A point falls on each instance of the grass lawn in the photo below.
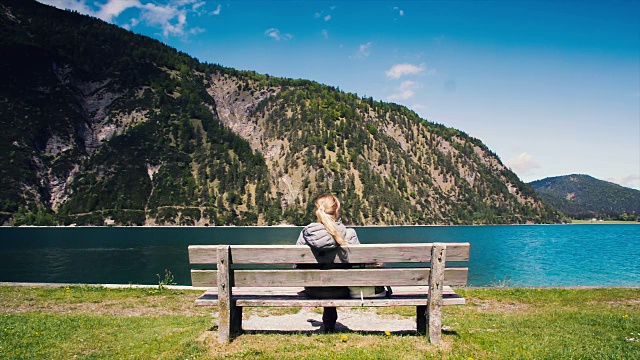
(99, 323)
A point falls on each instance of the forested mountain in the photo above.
(102, 126)
(585, 197)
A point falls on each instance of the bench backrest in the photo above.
(225, 256)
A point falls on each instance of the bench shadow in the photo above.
(450, 332)
(340, 329)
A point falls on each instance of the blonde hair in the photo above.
(328, 211)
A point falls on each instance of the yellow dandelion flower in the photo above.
(625, 316)
(387, 332)
(343, 338)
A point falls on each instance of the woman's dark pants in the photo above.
(330, 314)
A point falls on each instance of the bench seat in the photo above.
(291, 297)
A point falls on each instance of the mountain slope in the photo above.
(583, 196)
(105, 126)
(106, 123)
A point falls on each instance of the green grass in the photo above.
(98, 323)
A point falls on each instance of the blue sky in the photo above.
(553, 87)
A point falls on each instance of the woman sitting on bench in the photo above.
(324, 239)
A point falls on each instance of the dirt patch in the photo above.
(500, 307)
(310, 320)
(145, 306)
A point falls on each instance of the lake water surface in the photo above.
(523, 255)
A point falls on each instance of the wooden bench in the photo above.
(425, 287)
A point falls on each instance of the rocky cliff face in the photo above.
(444, 166)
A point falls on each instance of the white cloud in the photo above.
(399, 70)
(402, 95)
(196, 30)
(407, 84)
(170, 17)
(630, 181)
(325, 15)
(196, 6)
(131, 24)
(401, 12)
(275, 33)
(217, 10)
(325, 33)
(113, 8)
(364, 50)
(523, 164)
(404, 91)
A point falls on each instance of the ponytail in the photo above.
(327, 211)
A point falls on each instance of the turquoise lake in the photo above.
(521, 255)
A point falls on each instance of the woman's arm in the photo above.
(352, 237)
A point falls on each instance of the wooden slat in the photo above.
(208, 278)
(301, 254)
(296, 302)
(290, 297)
(225, 287)
(293, 290)
(349, 277)
(252, 301)
(436, 284)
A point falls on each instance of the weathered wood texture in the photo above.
(292, 296)
(225, 289)
(300, 254)
(436, 284)
(426, 288)
(341, 277)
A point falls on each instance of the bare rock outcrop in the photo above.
(234, 104)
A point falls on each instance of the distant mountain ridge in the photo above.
(103, 126)
(583, 196)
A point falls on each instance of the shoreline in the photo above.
(189, 287)
(301, 226)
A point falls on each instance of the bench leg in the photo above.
(434, 318)
(421, 319)
(436, 284)
(224, 324)
(230, 322)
